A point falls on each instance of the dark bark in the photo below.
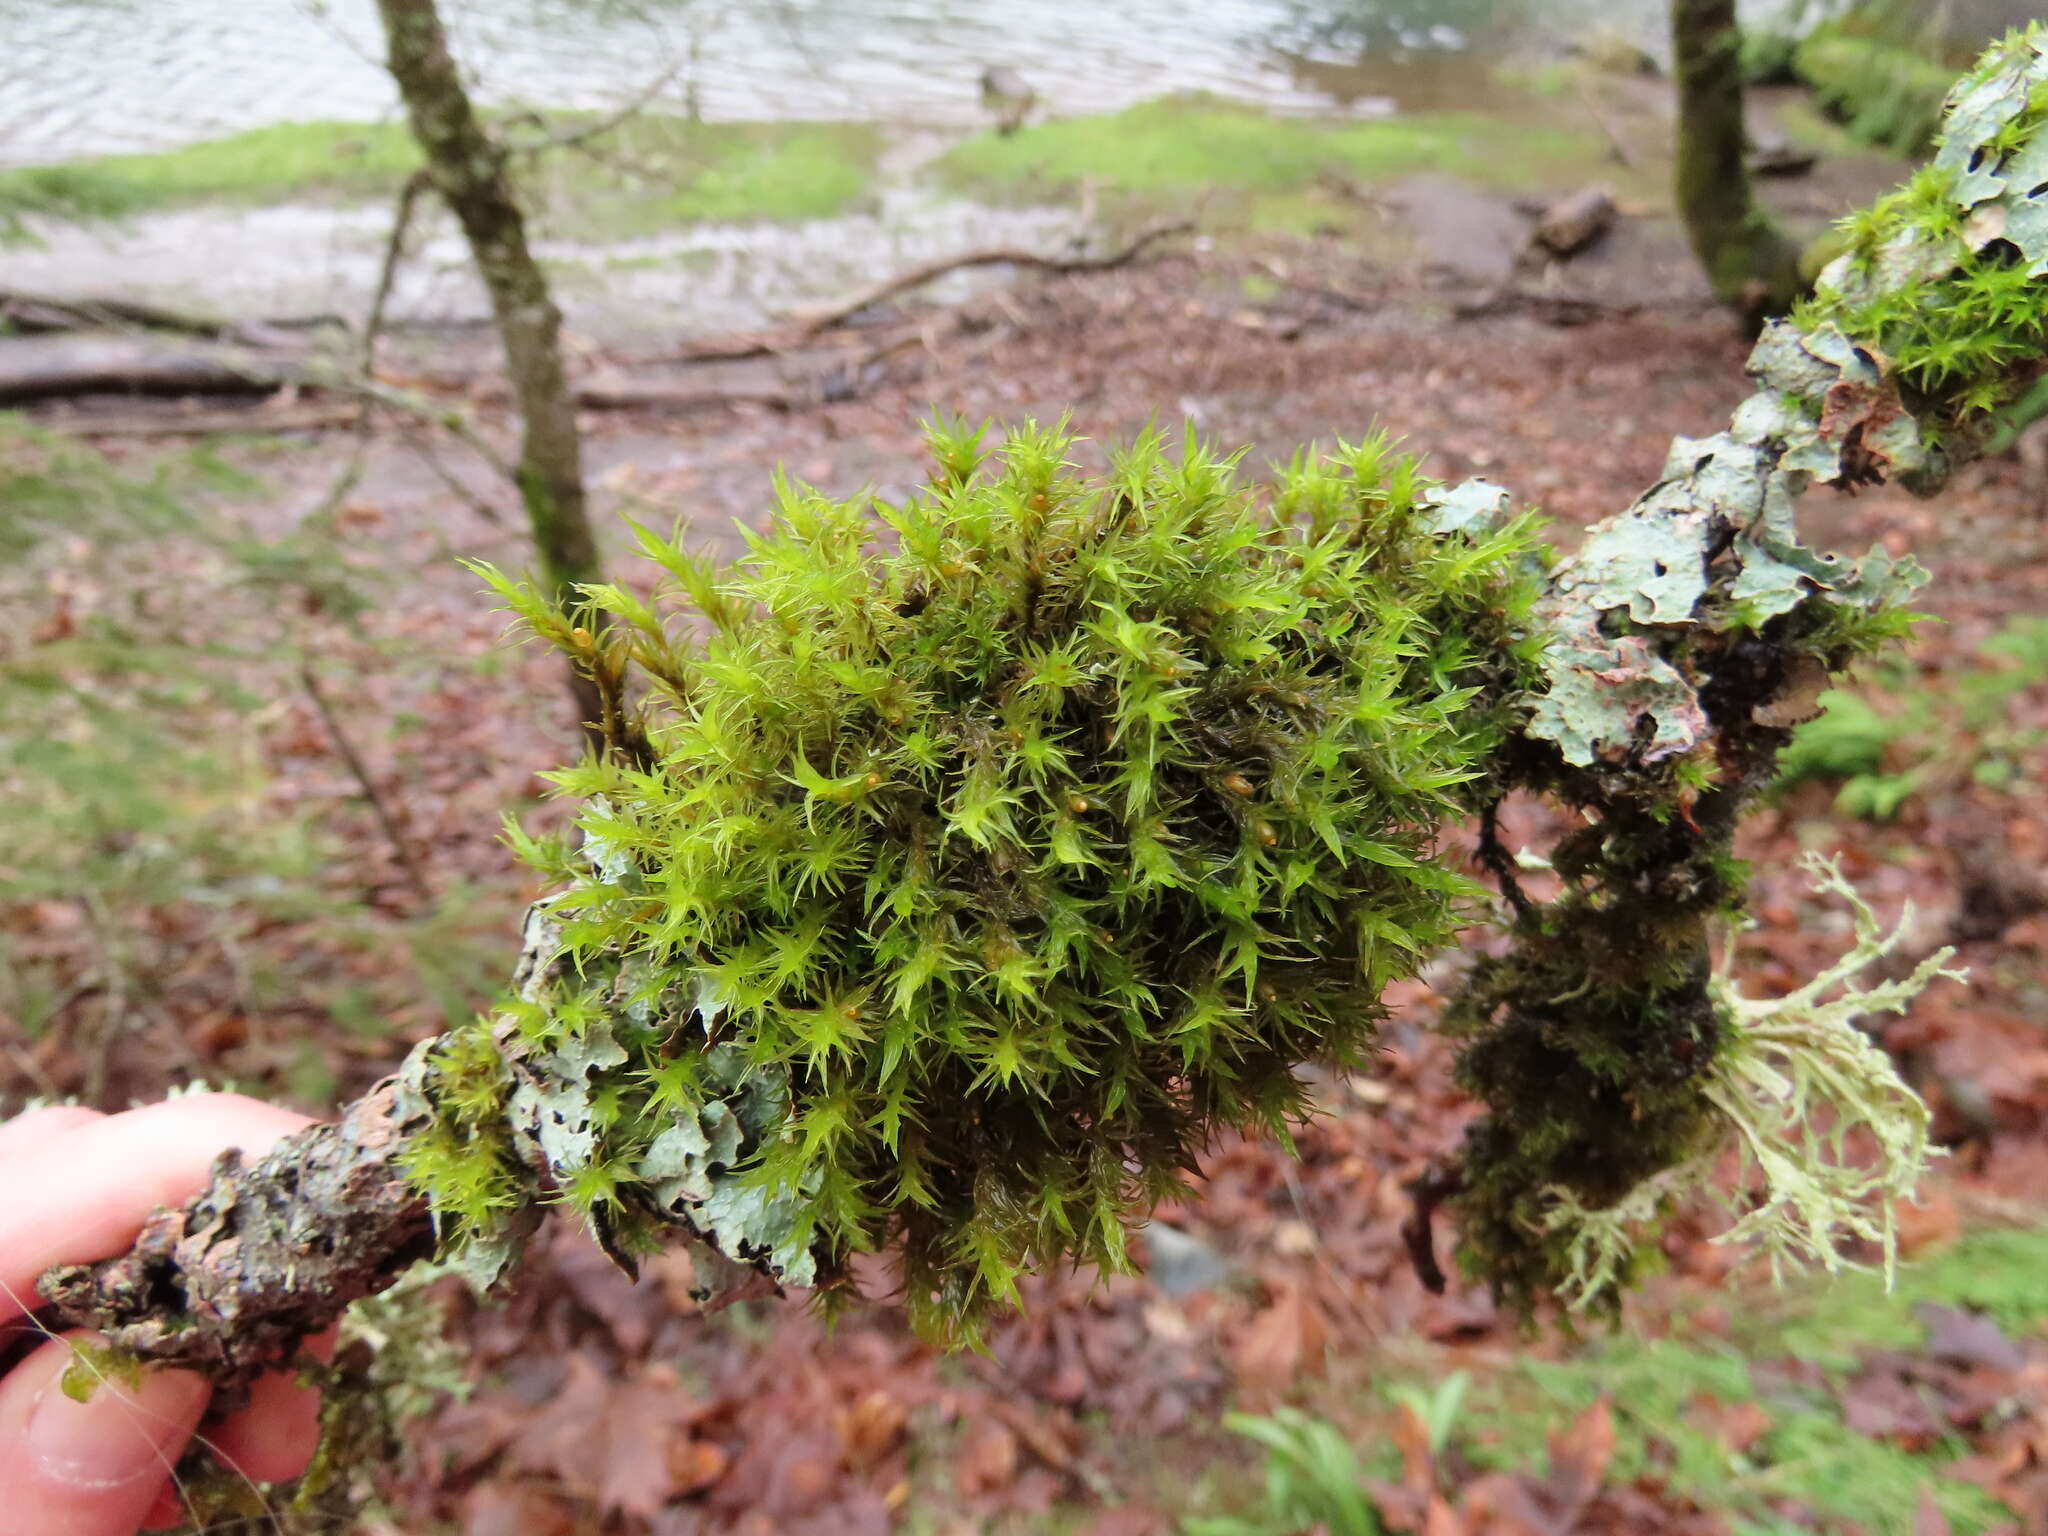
(1753, 268)
(269, 1255)
(469, 169)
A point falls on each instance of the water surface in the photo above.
(81, 77)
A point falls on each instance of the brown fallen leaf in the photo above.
(1282, 1344)
(514, 1509)
(1956, 1337)
(1579, 1456)
(988, 1459)
(1128, 1520)
(608, 1440)
(872, 1427)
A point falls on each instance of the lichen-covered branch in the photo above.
(1687, 636)
(270, 1253)
(950, 896)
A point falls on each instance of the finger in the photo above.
(82, 1195)
(93, 1468)
(275, 1435)
(32, 1127)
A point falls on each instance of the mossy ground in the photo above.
(1251, 168)
(652, 172)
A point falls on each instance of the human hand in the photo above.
(76, 1186)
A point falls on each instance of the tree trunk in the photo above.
(468, 168)
(1753, 268)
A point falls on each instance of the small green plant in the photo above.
(1313, 1481)
(988, 852)
(1884, 746)
(1436, 1409)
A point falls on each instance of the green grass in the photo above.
(657, 172)
(1807, 1470)
(1808, 1456)
(321, 160)
(651, 173)
(1263, 170)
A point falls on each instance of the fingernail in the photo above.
(121, 1434)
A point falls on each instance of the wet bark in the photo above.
(1753, 268)
(469, 170)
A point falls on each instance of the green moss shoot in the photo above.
(1022, 835)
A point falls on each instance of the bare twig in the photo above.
(415, 876)
(387, 274)
(308, 416)
(1495, 858)
(422, 448)
(604, 125)
(1436, 1185)
(1616, 146)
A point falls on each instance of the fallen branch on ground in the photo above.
(38, 368)
(932, 271)
(32, 314)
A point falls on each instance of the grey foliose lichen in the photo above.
(1714, 545)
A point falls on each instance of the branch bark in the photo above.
(932, 271)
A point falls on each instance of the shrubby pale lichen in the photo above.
(1826, 1135)
(1686, 637)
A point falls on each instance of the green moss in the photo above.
(649, 173)
(1884, 94)
(1970, 314)
(289, 160)
(1260, 169)
(950, 897)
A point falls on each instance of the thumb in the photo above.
(93, 1468)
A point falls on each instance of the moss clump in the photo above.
(986, 876)
(1944, 275)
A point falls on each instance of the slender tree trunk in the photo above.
(1754, 269)
(468, 168)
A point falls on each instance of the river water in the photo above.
(83, 77)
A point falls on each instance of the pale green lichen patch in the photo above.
(1939, 294)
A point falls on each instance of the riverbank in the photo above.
(658, 229)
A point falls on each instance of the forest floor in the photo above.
(235, 898)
